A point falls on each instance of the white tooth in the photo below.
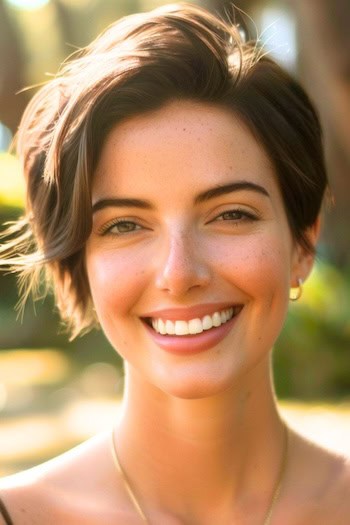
(223, 316)
(161, 327)
(181, 328)
(207, 322)
(195, 326)
(216, 318)
(170, 327)
(155, 324)
(230, 313)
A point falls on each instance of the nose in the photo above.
(182, 266)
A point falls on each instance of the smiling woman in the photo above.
(199, 234)
(175, 179)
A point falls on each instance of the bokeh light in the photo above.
(11, 181)
(279, 35)
(5, 137)
(28, 4)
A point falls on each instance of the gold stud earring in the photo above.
(297, 293)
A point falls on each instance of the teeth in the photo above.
(181, 328)
(193, 326)
(170, 327)
(207, 322)
(161, 327)
(216, 319)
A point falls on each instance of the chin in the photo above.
(198, 385)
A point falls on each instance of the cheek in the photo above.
(258, 266)
(115, 282)
(259, 270)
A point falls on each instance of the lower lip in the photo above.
(192, 344)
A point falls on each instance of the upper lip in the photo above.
(190, 312)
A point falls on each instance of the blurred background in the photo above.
(54, 394)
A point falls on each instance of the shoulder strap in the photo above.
(4, 513)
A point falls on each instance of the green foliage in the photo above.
(312, 358)
(11, 182)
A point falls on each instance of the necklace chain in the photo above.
(274, 498)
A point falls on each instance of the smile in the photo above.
(201, 329)
(194, 326)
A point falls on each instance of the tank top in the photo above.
(4, 513)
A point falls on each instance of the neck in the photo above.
(187, 456)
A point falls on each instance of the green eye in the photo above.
(120, 227)
(124, 227)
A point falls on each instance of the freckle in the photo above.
(183, 129)
(247, 395)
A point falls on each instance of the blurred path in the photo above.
(49, 403)
(25, 441)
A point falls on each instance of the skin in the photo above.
(199, 435)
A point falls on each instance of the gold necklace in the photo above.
(274, 498)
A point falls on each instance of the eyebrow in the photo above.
(204, 196)
(121, 203)
(229, 188)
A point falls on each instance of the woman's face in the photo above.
(189, 231)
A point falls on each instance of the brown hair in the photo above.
(138, 64)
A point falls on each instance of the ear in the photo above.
(303, 260)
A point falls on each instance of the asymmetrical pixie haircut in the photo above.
(138, 64)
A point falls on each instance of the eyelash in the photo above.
(106, 229)
(244, 216)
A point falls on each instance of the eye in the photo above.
(236, 215)
(119, 227)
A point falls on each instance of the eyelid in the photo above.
(104, 229)
(242, 211)
(248, 212)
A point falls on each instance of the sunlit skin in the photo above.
(181, 254)
(191, 422)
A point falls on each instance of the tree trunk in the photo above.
(325, 67)
(11, 68)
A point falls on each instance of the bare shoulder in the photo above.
(75, 487)
(339, 494)
(321, 482)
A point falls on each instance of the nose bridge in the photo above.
(181, 266)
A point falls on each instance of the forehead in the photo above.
(183, 143)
